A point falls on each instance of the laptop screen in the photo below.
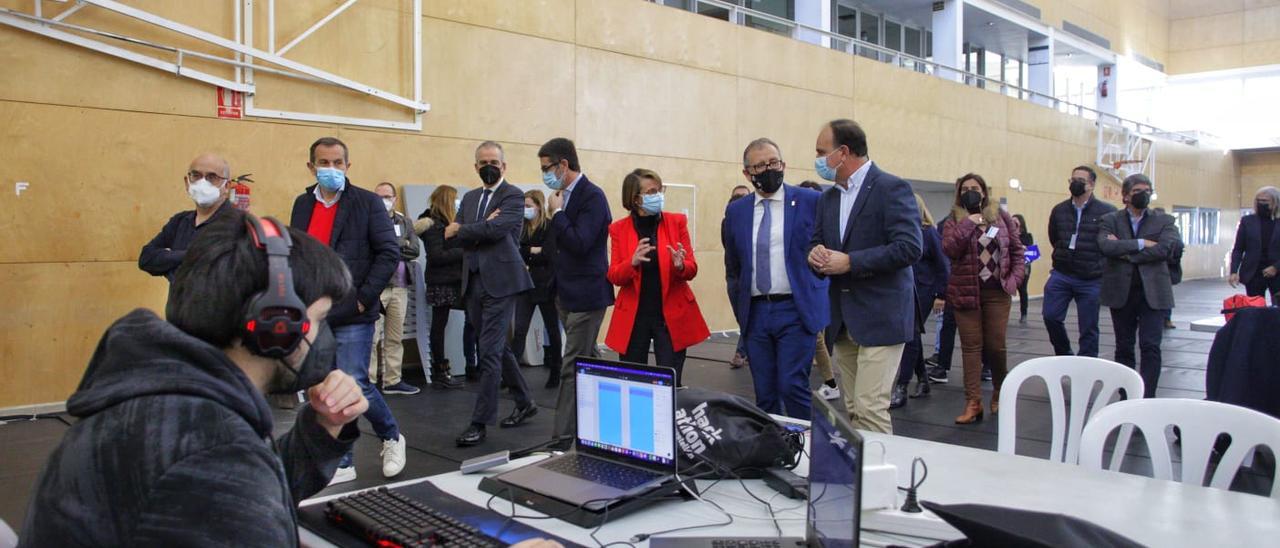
(835, 478)
(627, 410)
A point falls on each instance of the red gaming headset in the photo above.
(275, 319)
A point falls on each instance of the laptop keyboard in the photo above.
(601, 471)
(744, 543)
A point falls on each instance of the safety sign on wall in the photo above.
(230, 103)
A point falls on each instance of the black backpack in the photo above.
(723, 435)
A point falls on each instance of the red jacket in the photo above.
(679, 308)
(960, 243)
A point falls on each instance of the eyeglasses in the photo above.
(193, 176)
(494, 163)
(550, 166)
(759, 168)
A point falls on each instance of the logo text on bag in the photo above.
(695, 429)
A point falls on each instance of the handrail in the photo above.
(852, 45)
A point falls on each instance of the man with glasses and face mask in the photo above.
(173, 443)
(206, 184)
(1077, 264)
(395, 300)
(1136, 286)
(780, 303)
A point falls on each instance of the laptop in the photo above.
(835, 491)
(625, 442)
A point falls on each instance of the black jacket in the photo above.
(1244, 362)
(1085, 261)
(410, 245)
(444, 262)
(1247, 253)
(162, 255)
(366, 241)
(173, 448)
(539, 264)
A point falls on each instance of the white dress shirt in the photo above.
(849, 195)
(568, 191)
(778, 282)
(327, 203)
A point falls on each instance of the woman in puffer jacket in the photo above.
(987, 267)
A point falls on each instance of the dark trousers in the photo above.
(550, 320)
(913, 352)
(1258, 286)
(654, 330)
(1022, 293)
(1138, 322)
(440, 321)
(491, 318)
(781, 354)
(1059, 291)
(581, 329)
(947, 337)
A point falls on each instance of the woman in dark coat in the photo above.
(443, 279)
(537, 248)
(931, 288)
(1020, 223)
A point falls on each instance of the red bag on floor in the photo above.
(1235, 302)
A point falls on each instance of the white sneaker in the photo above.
(829, 393)
(393, 457)
(343, 475)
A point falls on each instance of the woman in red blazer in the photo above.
(652, 263)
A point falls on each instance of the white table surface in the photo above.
(1152, 512)
(1209, 325)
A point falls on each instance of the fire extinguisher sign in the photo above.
(230, 103)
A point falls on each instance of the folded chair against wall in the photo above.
(1199, 424)
(1084, 374)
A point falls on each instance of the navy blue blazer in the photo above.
(581, 261)
(875, 300)
(365, 239)
(933, 268)
(799, 206)
(1246, 254)
(493, 246)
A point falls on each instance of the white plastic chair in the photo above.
(1084, 373)
(8, 539)
(1199, 424)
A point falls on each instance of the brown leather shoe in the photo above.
(972, 412)
(995, 402)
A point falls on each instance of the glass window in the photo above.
(846, 21)
(928, 45)
(869, 31)
(1197, 225)
(912, 43)
(892, 35)
(784, 9)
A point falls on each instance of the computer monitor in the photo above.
(835, 478)
(626, 411)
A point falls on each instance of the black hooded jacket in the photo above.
(174, 448)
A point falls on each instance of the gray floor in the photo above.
(431, 419)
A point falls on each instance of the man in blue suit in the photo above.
(866, 238)
(580, 226)
(780, 303)
(487, 228)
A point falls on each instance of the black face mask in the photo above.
(321, 356)
(1077, 187)
(1264, 210)
(971, 200)
(1140, 200)
(767, 181)
(490, 174)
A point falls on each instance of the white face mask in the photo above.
(389, 202)
(530, 213)
(203, 193)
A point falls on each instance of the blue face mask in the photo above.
(825, 171)
(530, 213)
(652, 203)
(331, 179)
(550, 179)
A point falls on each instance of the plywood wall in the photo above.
(104, 142)
(1223, 34)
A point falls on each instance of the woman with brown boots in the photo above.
(986, 269)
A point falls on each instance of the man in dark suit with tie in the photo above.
(866, 239)
(780, 303)
(1136, 285)
(488, 229)
(580, 221)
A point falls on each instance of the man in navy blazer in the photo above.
(866, 239)
(487, 228)
(580, 226)
(1255, 257)
(353, 222)
(780, 303)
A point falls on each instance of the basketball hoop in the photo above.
(1120, 163)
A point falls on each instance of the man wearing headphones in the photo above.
(173, 444)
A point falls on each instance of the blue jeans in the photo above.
(781, 353)
(354, 344)
(1059, 291)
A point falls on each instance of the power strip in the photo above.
(925, 524)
